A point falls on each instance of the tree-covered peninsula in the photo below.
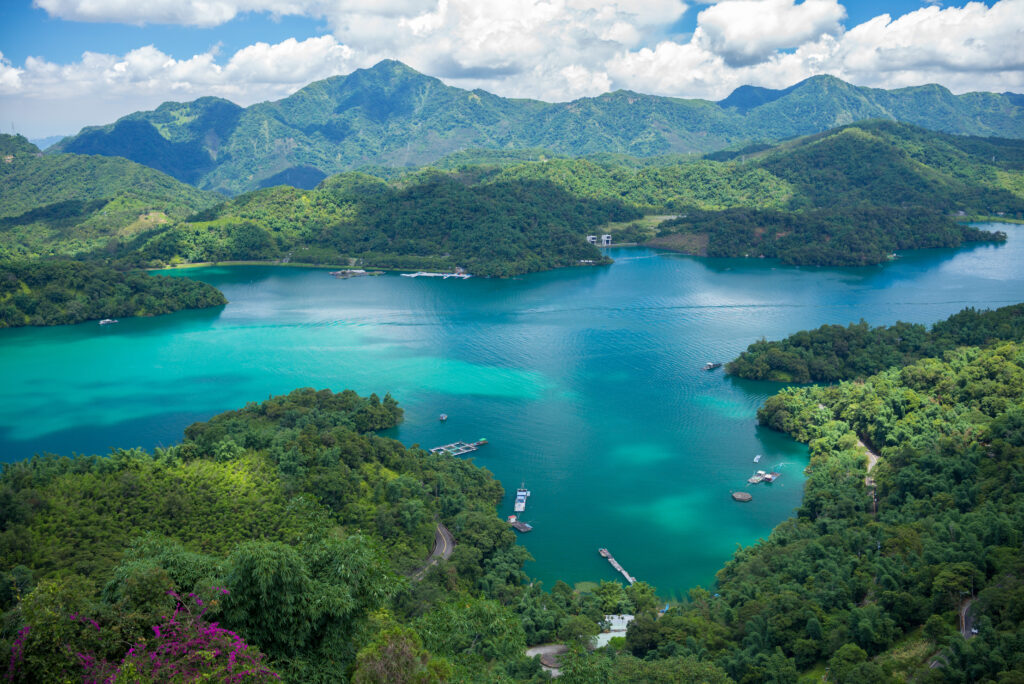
(62, 292)
(834, 352)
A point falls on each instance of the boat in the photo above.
(108, 321)
(742, 497)
(757, 477)
(712, 365)
(757, 458)
(443, 417)
(480, 442)
(522, 494)
(771, 477)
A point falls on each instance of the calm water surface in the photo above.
(587, 382)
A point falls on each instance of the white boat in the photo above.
(521, 496)
(108, 321)
(757, 458)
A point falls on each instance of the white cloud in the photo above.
(974, 47)
(748, 31)
(255, 72)
(548, 49)
(10, 77)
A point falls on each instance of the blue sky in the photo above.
(69, 63)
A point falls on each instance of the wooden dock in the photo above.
(615, 564)
(458, 448)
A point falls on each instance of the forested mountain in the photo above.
(834, 352)
(391, 115)
(66, 204)
(802, 202)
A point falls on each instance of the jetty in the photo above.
(615, 564)
(458, 448)
(446, 276)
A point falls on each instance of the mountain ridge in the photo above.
(392, 115)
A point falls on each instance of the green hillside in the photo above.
(67, 204)
(393, 116)
(854, 195)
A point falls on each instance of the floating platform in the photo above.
(615, 564)
(519, 525)
(458, 448)
(346, 273)
(742, 496)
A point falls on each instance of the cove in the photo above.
(587, 382)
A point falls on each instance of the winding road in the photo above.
(444, 544)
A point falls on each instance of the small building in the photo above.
(617, 625)
(606, 240)
(592, 239)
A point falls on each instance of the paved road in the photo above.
(966, 619)
(444, 544)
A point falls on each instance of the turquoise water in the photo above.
(587, 382)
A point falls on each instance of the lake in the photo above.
(587, 382)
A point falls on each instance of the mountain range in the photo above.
(391, 115)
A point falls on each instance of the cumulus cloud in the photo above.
(10, 78)
(745, 32)
(255, 72)
(549, 49)
(974, 47)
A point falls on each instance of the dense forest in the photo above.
(833, 352)
(286, 540)
(432, 220)
(391, 116)
(62, 292)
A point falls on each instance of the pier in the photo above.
(425, 274)
(615, 564)
(458, 448)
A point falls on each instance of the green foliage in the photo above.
(59, 292)
(832, 352)
(69, 204)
